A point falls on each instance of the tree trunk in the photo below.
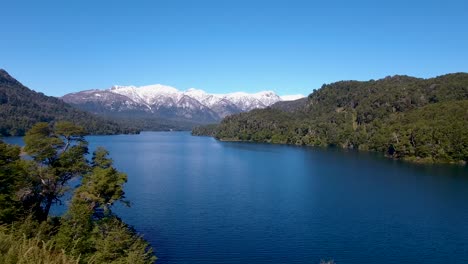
(49, 202)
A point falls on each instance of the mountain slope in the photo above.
(290, 106)
(401, 116)
(165, 102)
(21, 107)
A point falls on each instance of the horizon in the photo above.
(283, 96)
(58, 48)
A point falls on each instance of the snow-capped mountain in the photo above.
(292, 97)
(168, 102)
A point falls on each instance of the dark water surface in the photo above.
(198, 200)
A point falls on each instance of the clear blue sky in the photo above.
(289, 46)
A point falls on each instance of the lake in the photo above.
(198, 200)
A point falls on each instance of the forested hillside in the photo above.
(424, 120)
(21, 108)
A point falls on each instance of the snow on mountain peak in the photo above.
(168, 99)
(158, 88)
(196, 92)
(291, 97)
(148, 94)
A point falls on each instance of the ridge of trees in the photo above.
(422, 120)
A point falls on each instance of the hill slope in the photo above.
(21, 107)
(401, 116)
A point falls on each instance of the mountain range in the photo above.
(166, 102)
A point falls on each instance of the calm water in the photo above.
(198, 200)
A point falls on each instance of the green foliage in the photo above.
(11, 172)
(17, 248)
(101, 159)
(69, 130)
(60, 156)
(103, 186)
(147, 122)
(206, 130)
(41, 143)
(434, 133)
(88, 232)
(117, 243)
(423, 120)
(74, 235)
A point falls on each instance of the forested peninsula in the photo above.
(40, 175)
(421, 120)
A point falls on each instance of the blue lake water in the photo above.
(198, 200)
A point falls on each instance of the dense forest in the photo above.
(88, 232)
(21, 108)
(423, 120)
(142, 123)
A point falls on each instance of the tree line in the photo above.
(422, 120)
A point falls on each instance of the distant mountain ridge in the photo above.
(163, 101)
